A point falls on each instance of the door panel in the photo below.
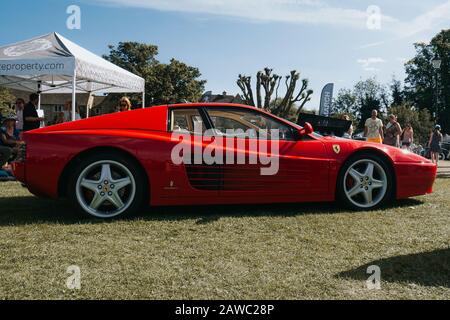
(302, 175)
(299, 167)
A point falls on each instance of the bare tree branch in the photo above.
(270, 83)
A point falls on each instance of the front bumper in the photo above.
(415, 179)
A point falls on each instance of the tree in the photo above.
(358, 103)
(397, 93)
(344, 103)
(165, 83)
(175, 82)
(370, 95)
(138, 58)
(268, 84)
(6, 99)
(426, 86)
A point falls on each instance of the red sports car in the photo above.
(204, 154)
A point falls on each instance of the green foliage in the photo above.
(425, 84)
(175, 82)
(345, 103)
(6, 99)
(420, 120)
(367, 95)
(165, 83)
(397, 92)
(135, 57)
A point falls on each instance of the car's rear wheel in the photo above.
(365, 182)
(107, 186)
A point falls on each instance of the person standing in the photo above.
(124, 104)
(20, 104)
(31, 120)
(374, 128)
(349, 133)
(393, 131)
(59, 118)
(407, 137)
(435, 144)
(68, 112)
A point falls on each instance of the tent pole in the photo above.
(89, 104)
(74, 95)
(39, 87)
(143, 100)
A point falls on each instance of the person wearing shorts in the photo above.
(374, 128)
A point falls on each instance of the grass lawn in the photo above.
(298, 251)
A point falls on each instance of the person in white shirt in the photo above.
(374, 128)
(20, 104)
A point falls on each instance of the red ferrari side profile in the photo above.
(205, 154)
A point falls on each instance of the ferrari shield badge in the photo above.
(337, 148)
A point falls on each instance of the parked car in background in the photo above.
(359, 136)
(444, 155)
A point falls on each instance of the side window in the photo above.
(255, 124)
(186, 121)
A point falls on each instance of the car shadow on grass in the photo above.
(431, 269)
(32, 210)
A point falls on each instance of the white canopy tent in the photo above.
(53, 64)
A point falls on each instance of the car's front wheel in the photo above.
(107, 186)
(365, 182)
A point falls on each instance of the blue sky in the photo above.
(327, 40)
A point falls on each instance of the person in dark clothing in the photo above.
(9, 136)
(5, 154)
(31, 119)
(435, 144)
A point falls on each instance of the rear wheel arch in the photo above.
(69, 168)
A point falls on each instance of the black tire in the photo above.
(389, 195)
(136, 202)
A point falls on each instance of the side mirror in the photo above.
(307, 129)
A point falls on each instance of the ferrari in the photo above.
(112, 165)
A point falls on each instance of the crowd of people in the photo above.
(393, 135)
(26, 118)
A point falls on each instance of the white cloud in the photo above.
(368, 64)
(289, 11)
(371, 45)
(298, 11)
(435, 18)
(432, 19)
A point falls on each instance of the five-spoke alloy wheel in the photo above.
(107, 186)
(365, 182)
